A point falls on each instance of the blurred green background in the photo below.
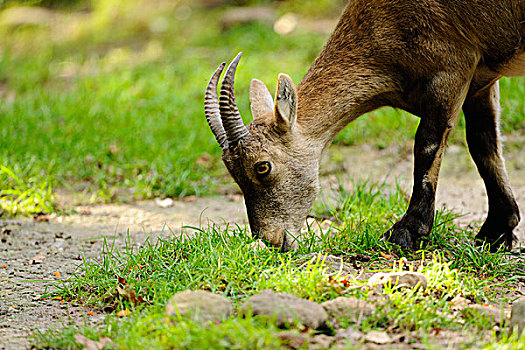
(105, 97)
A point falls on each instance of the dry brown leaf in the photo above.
(129, 293)
(123, 313)
(190, 198)
(89, 344)
(41, 218)
(386, 256)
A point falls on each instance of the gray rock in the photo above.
(287, 309)
(199, 305)
(401, 279)
(495, 315)
(517, 316)
(343, 308)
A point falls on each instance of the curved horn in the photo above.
(211, 108)
(231, 118)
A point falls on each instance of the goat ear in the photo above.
(260, 98)
(285, 103)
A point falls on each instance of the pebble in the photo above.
(293, 340)
(405, 279)
(321, 341)
(378, 337)
(347, 308)
(287, 309)
(200, 305)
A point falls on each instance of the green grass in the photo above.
(114, 105)
(219, 260)
(111, 104)
(24, 192)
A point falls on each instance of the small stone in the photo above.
(400, 279)
(348, 333)
(494, 314)
(344, 308)
(460, 302)
(321, 341)
(378, 337)
(164, 203)
(517, 316)
(287, 309)
(200, 305)
(293, 340)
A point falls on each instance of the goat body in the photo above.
(431, 58)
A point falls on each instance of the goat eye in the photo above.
(263, 168)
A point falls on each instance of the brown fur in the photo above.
(430, 58)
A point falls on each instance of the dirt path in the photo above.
(34, 251)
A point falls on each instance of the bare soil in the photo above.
(33, 251)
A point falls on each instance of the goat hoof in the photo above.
(507, 239)
(498, 233)
(402, 237)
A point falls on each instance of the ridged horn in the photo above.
(211, 108)
(231, 118)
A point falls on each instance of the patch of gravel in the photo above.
(33, 251)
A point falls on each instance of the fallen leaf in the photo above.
(56, 298)
(41, 218)
(129, 293)
(92, 344)
(57, 274)
(386, 256)
(123, 313)
(191, 198)
(122, 281)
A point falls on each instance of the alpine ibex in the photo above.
(431, 58)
